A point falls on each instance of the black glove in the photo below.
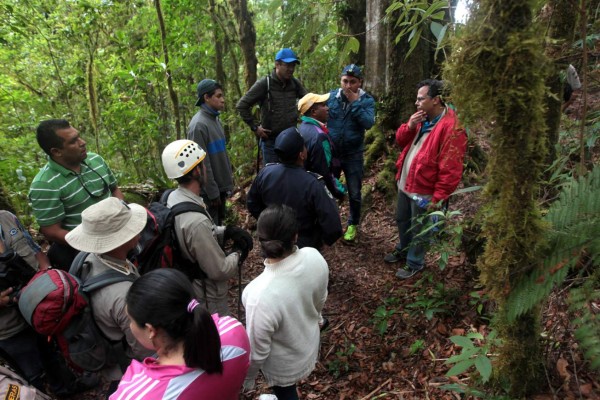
(242, 241)
(230, 230)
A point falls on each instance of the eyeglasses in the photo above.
(104, 184)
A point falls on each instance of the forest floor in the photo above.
(389, 338)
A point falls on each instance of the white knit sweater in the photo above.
(283, 306)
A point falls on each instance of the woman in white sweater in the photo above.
(283, 305)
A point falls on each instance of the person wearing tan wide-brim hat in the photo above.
(109, 230)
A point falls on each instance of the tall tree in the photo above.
(247, 35)
(499, 73)
(172, 93)
(560, 17)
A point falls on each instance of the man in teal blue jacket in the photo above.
(351, 113)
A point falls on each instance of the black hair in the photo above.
(286, 158)
(277, 228)
(211, 93)
(161, 298)
(436, 88)
(46, 134)
(187, 178)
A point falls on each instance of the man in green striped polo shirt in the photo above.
(71, 181)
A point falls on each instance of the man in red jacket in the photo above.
(429, 170)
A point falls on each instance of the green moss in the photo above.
(376, 148)
(498, 70)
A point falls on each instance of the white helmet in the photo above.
(180, 157)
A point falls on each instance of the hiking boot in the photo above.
(323, 324)
(350, 234)
(393, 257)
(406, 272)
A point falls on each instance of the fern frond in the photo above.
(588, 323)
(574, 227)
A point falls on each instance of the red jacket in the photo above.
(437, 168)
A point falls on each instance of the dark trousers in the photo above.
(408, 215)
(39, 362)
(285, 392)
(268, 151)
(353, 171)
(61, 256)
(217, 213)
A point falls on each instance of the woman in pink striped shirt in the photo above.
(199, 356)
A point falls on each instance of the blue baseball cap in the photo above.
(287, 55)
(352, 70)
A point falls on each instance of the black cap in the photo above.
(289, 144)
(205, 86)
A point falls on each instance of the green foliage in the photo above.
(341, 364)
(431, 300)
(574, 225)
(382, 315)
(475, 353)
(447, 231)
(583, 301)
(415, 16)
(57, 53)
(416, 346)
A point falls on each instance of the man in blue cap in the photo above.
(351, 113)
(276, 95)
(290, 184)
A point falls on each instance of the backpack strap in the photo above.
(77, 264)
(297, 85)
(177, 209)
(188, 206)
(105, 279)
(165, 196)
(99, 281)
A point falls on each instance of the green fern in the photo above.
(574, 222)
(588, 324)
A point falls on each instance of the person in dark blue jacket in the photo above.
(288, 183)
(351, 113)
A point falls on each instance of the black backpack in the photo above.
(14, 270)
(158, 246)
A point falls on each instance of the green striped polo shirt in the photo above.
(58, 194)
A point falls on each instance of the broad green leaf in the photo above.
(436, 28)
(462, 341)
(475, 335)
(465, 355)
(326, 39)
(460, 368)
(484, 366)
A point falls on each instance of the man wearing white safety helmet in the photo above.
(199, 238)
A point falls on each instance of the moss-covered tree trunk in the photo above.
(499, 74)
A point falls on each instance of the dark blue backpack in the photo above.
(158, 244)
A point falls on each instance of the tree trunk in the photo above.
(354, 21)
(561, 18)
(247, 35)
(172, 93)
(391, 77)
(499, 74)
(217, 37)
(93, 98)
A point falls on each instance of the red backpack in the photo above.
(56, 304)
